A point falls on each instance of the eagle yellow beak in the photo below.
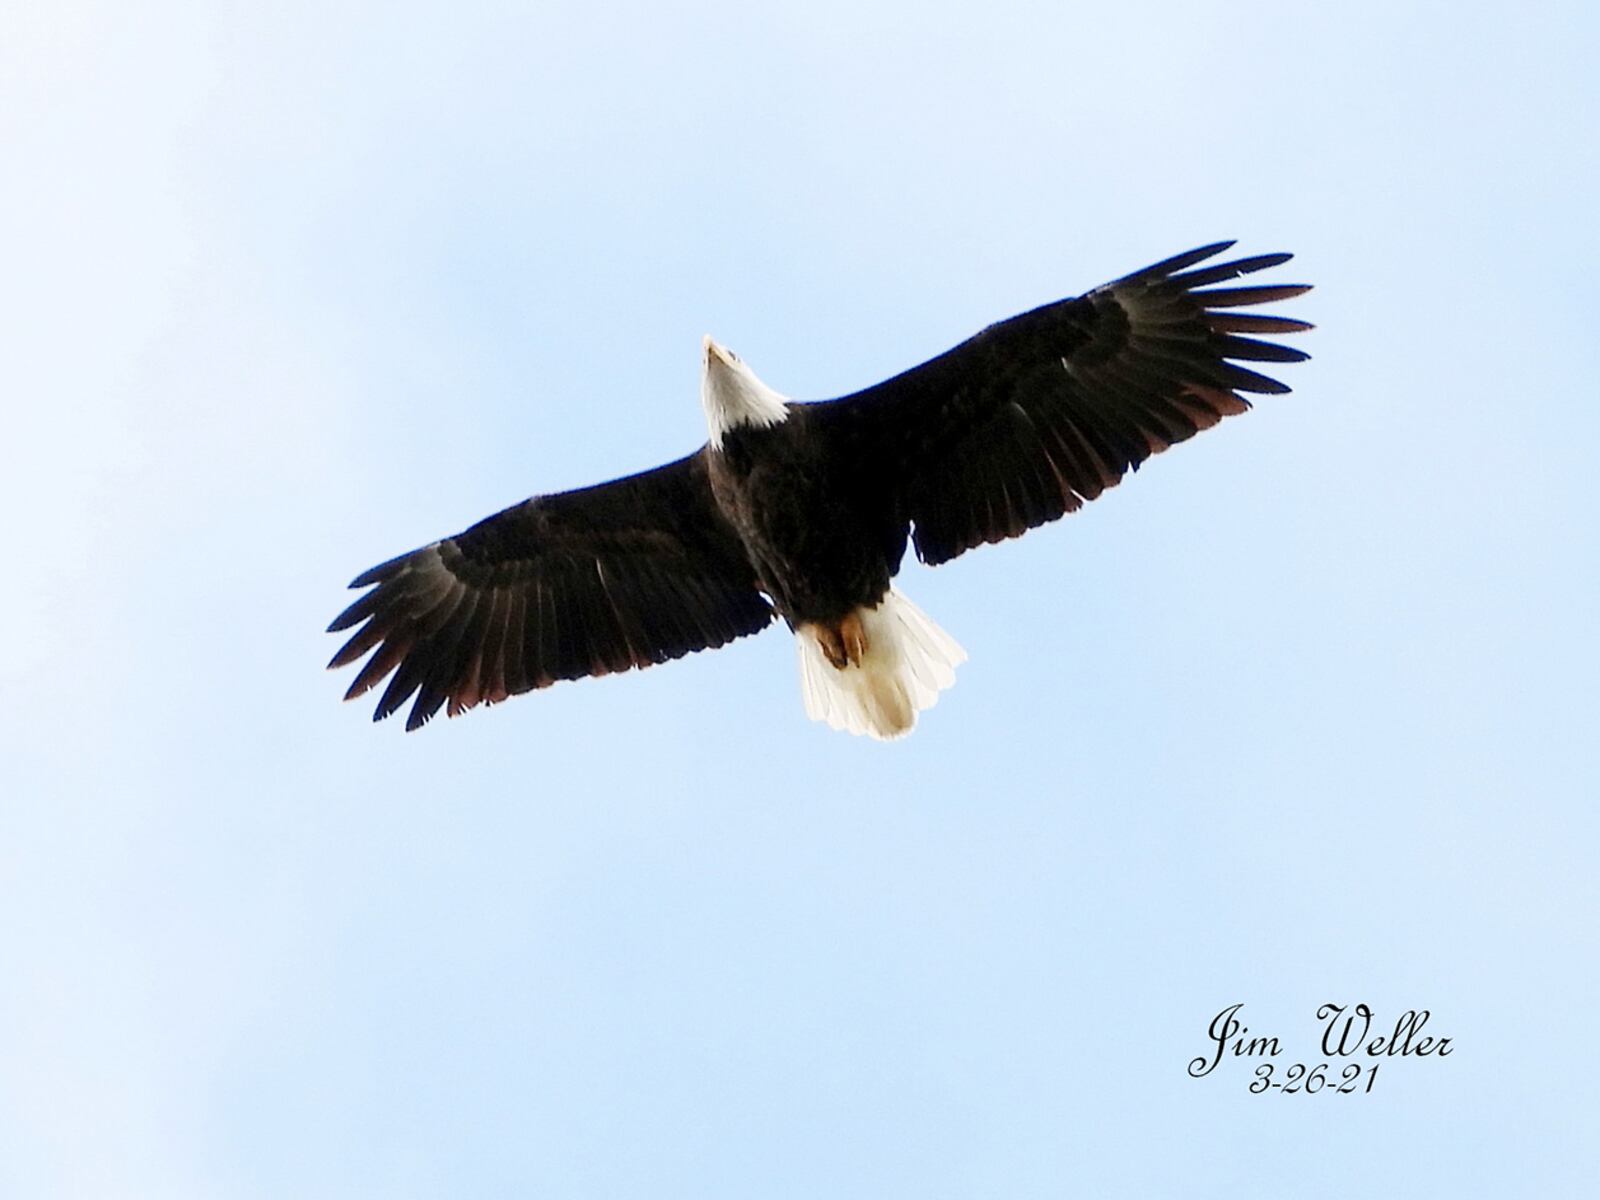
(714, 351)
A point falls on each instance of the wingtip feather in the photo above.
(1178, 262)
(1254, 294)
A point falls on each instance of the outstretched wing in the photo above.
(606, 578)
(1035, 415)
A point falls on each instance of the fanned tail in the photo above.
(909, 660)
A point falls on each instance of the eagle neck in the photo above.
(734, 398)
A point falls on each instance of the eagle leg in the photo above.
(843, 642)
(854, 636)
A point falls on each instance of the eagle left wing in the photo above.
(624, 574)
(1037, 414)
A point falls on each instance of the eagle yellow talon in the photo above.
(843, 644)
(831, 644)
(854, 636)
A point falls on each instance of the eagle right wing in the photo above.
(1024, 422)
(624, 574)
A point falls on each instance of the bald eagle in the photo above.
(804, 510)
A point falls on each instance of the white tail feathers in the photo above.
(908, 661)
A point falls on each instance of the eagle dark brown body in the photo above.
(822, 538)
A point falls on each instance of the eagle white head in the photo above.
(733, 396)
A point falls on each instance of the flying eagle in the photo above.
(803, 510)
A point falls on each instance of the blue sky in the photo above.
(1302, 713)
